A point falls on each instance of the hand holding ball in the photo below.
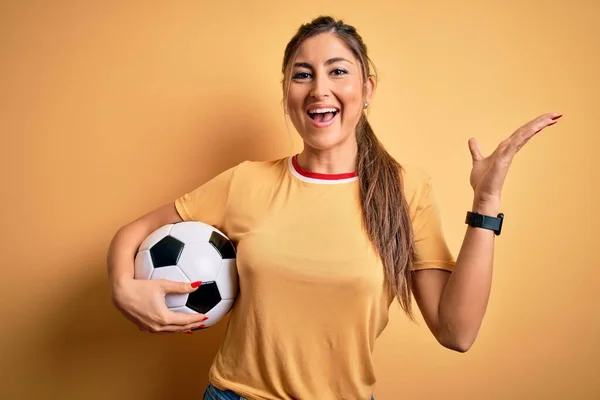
(191, 252)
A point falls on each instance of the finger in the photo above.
(190, 331)
(182, 319)
(175, 328)
(194, 327)
(475, 149)
(551, 116)
(521, 136)
(178, 287)
(526, 132)
(544, 124)
(542, 121)
(165, 329)
(537, 124)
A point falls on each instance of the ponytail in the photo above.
(385, 211)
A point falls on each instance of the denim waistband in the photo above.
(212, 393)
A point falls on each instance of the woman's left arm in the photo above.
(454, 304)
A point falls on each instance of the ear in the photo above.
(370, 85)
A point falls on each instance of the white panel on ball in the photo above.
(227, 280)
(172, 273)
(218, 312)
(200, 261)
(156, 237)
(192, 231)
(184, 310)
(143, 265)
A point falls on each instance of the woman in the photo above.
(326, 240)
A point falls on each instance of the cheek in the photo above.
(351, 93)
(295, 99)
(295, 108)
(352, 99)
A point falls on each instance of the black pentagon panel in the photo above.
(166, 252)
(204, 298)
(222, 245)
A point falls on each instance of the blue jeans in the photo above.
(212, 393)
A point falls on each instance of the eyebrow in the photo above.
(328, 62)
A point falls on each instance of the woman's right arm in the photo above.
(143, 301)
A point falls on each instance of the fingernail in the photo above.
(188, 332)
(557, 116)
(204, 319)
(196, 284)
(199, 327)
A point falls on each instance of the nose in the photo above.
(320, 87)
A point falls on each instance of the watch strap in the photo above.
(477, 220)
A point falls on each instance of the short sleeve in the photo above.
(431, 249)
(208, 202)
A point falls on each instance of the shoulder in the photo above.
(414, 178)
(262, 165)
(416, 183)
(414, 173)
(259, 170)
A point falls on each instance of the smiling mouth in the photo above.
(321, 117)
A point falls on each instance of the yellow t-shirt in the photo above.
(313, 295)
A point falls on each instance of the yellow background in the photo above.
(109, 109)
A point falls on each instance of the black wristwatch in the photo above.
(485, 221)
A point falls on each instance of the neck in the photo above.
(331, 161)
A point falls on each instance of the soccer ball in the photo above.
(192, 251)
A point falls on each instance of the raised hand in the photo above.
(488, 173)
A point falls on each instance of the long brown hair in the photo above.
(384, 208)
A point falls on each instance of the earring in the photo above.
(366, 105)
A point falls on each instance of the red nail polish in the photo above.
(188, 332)
(557, 117)
(196, 284)
(199, 327)
(204, 319)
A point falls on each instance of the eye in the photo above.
(301, 75)
(339, 71)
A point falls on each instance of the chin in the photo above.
(323, 140)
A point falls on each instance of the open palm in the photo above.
(488, 173)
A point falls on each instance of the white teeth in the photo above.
(321, 110)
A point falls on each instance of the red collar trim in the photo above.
(317, 175)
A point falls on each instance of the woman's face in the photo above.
(326, 93)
